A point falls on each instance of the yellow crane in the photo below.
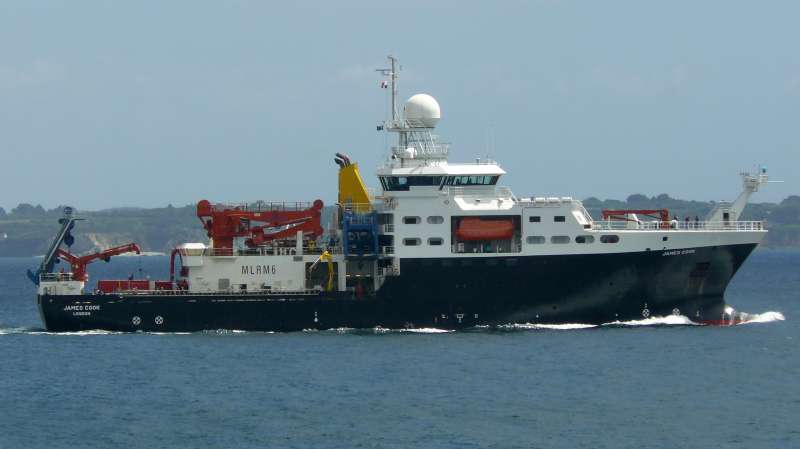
(327, 257)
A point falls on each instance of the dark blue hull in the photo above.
(445, 293)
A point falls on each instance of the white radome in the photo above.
(422, 111)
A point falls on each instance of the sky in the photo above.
(143, 104)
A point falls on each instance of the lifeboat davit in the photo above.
(477, 228)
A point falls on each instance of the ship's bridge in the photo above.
(402, 176)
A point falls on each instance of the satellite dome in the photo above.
(422, 111)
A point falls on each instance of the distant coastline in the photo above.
(27, 230)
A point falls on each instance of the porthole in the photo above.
(559, 239)
(412, 242)
(435, 241)
(584, 239)
(411, 220)
(435, 219)
(610, 238)
(535, 239)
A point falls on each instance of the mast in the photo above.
(393, 75)
(414, 138)
(391, 72)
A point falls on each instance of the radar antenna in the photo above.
(420, 115)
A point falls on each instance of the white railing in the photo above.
(616, 225)
(264, 206)
(56, 277)
(269, 251)
(552, 201)
(481, 192)
(423, 149)
(362, 208)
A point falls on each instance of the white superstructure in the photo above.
(425, 199)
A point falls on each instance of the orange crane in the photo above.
(79, 263)
(275, 221)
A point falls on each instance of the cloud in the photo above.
(38, 72)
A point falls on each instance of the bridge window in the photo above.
(401, 183)
(412, 242)
(535, 239)
(584, 239)
(475, 180)
(411, 220)
(535, 219)
(560, 219)
(435, 241)
(610, 238)
(559, 239)
(435, 219)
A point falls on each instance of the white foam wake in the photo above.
(421, 330)
(427, 330)
(669, 320)
(76, 333)
(766, 317)
(535, 326)
(14, 330)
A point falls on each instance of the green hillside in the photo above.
(27, 230)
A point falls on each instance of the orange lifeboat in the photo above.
(477, 228)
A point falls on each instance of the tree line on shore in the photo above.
(26, 230)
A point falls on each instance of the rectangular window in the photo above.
(402, 183)
(478, 180)
(535, 219)
(559, 219)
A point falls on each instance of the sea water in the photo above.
(662, 382)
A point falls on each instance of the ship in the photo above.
(440, 245)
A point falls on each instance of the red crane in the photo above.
(79, 263)
(274, 221)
